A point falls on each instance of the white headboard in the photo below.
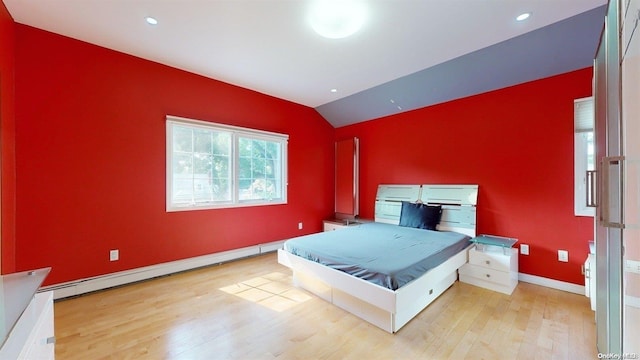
(458, 204)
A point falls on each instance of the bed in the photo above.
(382, 302)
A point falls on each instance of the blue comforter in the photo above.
(384, 254)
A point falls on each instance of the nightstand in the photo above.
(493, 264)
(335, 224)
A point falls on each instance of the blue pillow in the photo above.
(421, 216)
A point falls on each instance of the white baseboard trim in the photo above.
(551, 283)
(82, 286)
(86, 285)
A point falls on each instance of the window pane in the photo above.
(244, 146)
(584, 160)
(269, 168)
(273, 150)
(202, 140)
(182, 138)
(221, 165)
(590, 151)
(221, 177)
(258, 149)
(200, 165)
(221, 189)
(259, 179)
(221, 143)
(201, 177)
(182, 163)
(182, 178)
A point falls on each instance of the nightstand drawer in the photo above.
(493, 260)
(331, 225)
(486, 274)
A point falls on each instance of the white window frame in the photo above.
(583, 123)
(236, 133)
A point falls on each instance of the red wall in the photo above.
(90, 144)
(516, 143)
(7, 141)
(84, 134)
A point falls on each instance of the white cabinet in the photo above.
(590, 279)
(32, 336)
(494, 268)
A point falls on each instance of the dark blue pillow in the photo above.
(421, 216)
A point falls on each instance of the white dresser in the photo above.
(589, 270)
(29, 331)
(492, 266)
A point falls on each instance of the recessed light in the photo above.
(334, 90)
(523, 16)
(151, 20)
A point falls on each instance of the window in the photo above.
(584, 156)
(216, 166)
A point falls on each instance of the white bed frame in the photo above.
(388, 309)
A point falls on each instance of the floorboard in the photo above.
(249, 309)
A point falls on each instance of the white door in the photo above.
(610, 163)
(630, 114)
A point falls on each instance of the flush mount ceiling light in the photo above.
(151, 20)
(336, 19)
(523, 16)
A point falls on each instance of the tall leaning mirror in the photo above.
(347, 153)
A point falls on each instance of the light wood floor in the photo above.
(248, 309)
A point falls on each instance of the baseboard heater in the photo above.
(86, 285)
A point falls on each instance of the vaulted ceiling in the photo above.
(408, 53)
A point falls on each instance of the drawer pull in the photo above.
(488, 275)
(487, 262)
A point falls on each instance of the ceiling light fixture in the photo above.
(523, 16)
(151, 20)
(337, 19)
(334, 90)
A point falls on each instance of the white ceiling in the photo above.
(268, 46)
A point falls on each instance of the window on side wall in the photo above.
(212, 165)
(584, 156)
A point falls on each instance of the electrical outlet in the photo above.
(300, 225)
(563, 255)
(524, 249)
(114, 255)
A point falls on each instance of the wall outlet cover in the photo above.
(524, 249)
(563, 255)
